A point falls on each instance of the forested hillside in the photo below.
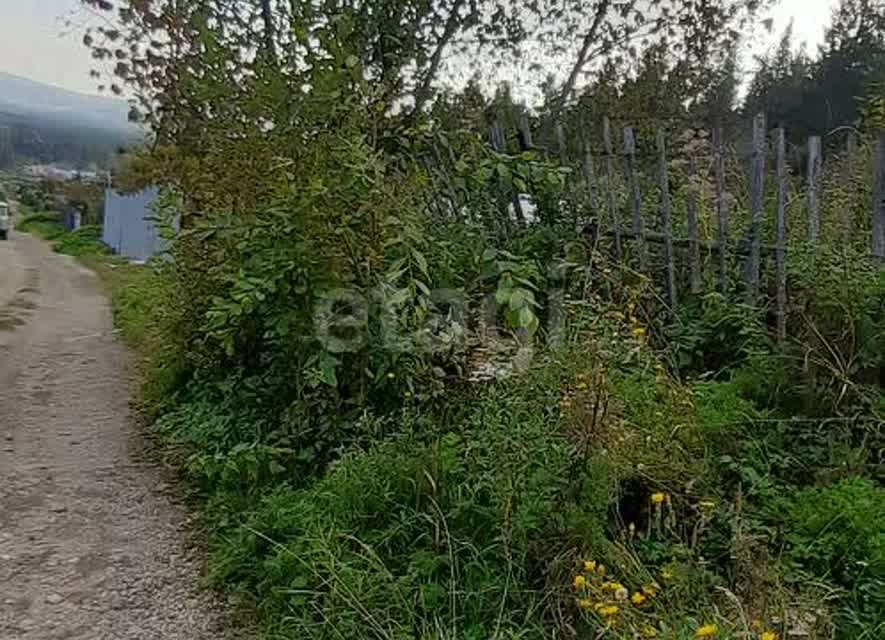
(44, 124)
(444, 361)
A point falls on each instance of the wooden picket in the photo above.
(813, 185)
(721, 207)
(666, 218)
(602, 198)
(781, 234)
(878, 226)
(610, 187)
(635, 196)
(757, 208)
(691, 212)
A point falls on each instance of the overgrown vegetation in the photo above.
(84, 241)
(416, 393)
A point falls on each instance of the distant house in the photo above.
(128, 224)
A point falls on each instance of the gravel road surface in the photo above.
(92, 541)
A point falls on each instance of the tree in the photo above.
(813, 97)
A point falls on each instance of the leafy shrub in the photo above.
(416, 535)
(81, 242)
(838, 534)
(837, 328)
(46, 225)
(712, 335)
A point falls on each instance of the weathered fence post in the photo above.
(499, 143)
(610, 187)
(694, 244)
(525, 131)
(635, 196)
(757, 207)
(666, 218)
(588, 172)
(814, 170)
(721, 207)
(848, 178)
(781, 234)
(562, 145)
(878, 226)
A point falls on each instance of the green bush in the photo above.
(46, 225)
(838, 534)
(837, 331)
(419, 534)
(712, 336)
(81, 242)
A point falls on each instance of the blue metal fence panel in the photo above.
(128, 228)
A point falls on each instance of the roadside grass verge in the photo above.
(44, 224)
(81, 242)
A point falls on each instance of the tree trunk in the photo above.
(422, 95)
(269, 33)
(590, 36)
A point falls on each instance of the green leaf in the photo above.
(528, 320)
(421, 260)
(328, 364)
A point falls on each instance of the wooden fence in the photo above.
(621, 176)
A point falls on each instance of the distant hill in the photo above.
(40, 122)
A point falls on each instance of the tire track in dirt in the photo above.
(92, 546)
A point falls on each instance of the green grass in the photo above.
(470, 519)
(46, 225)
(84, 241)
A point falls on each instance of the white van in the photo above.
(5, 221)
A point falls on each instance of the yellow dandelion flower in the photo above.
(649, 632)
(658, 498)
(639, 332)
(667, 574)
(609, 610)
(768, 635)
(579, 582)
(585, 603)
(589, 566)
(601, 569)
(707, 631)
(638, 599)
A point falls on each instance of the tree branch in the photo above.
(422, 95)
(267, 18)
(589, 37)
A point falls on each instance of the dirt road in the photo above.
(91, 545)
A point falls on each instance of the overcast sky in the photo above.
(36, 43)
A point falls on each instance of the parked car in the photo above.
(5, 221)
